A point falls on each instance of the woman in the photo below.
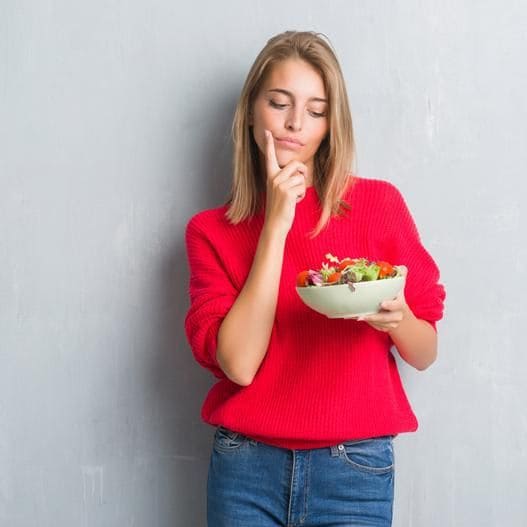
(305, 407)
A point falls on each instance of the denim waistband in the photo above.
(335, 448)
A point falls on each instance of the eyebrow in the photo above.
(280, 90)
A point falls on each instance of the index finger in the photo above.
(271, 163)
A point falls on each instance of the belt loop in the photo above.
(336, 449)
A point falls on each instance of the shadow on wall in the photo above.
(208, 176)
(179, 382)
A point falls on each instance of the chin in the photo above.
(283, 159)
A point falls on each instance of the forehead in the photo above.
(297, 77)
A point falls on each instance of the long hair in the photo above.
(334, 159)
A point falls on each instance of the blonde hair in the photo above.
(336, 154)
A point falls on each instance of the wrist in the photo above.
(273, 233)
(408, 316)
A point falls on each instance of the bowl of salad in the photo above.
(351, 287)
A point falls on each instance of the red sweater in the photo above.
(322, 380)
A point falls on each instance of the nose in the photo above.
(294, 119)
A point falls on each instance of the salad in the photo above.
(346, 271)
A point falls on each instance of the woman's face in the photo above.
(291, 103)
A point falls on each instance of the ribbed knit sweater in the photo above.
(322, 380)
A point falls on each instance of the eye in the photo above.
(276, 105)
(282, 106)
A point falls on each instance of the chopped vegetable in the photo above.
(346, 271)
(302, 278)
(386, 269)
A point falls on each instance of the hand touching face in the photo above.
(291, 177)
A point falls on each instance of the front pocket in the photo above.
(226, 440)
(374, 456)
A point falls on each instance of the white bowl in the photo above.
(339, 301)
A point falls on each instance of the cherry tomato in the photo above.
(334, 277)
(301, 279)
(386, 269)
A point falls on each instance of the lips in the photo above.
(289, 140)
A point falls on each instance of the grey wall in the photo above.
(114, 123)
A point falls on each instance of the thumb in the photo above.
(403, 269)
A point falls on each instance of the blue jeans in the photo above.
(251, 484)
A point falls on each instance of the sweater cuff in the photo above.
(202, 325)
(429, 304)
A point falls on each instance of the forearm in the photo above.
(415, 340)
(244, 334)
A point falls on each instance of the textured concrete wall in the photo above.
(114, 129)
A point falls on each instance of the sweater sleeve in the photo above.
(211, 296)
(423, 293)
